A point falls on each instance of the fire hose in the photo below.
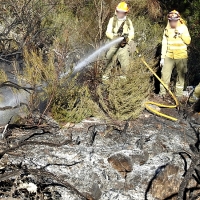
(148, 103)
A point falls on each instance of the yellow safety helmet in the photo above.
(174, 16)
(122, 7)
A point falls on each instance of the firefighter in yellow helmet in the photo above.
(176, 38)
(120, 25)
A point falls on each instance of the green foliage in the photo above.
(148, 35)
(122, 99)
(72, 103)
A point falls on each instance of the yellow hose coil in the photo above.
(147, 104)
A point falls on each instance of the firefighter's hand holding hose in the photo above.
(125, 40)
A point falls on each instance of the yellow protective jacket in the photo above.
(175, 47)
(127, 29)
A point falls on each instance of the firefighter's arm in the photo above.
(109, 31)
(184, 34)
(164, 46)
(131, 33)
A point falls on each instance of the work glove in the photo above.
(125, 40)
(162, 62)
(125, 36)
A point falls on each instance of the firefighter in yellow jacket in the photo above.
(176, 38)
(118, 26)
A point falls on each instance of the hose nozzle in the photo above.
(125, 36)
(125, 40)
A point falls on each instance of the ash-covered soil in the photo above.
(148, 158)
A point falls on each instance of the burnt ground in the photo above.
(148, 158)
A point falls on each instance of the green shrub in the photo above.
(73, 103)
(122, 99)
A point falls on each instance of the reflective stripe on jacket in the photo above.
(175, 47)
(110, 33)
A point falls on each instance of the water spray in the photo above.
(93, 56)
